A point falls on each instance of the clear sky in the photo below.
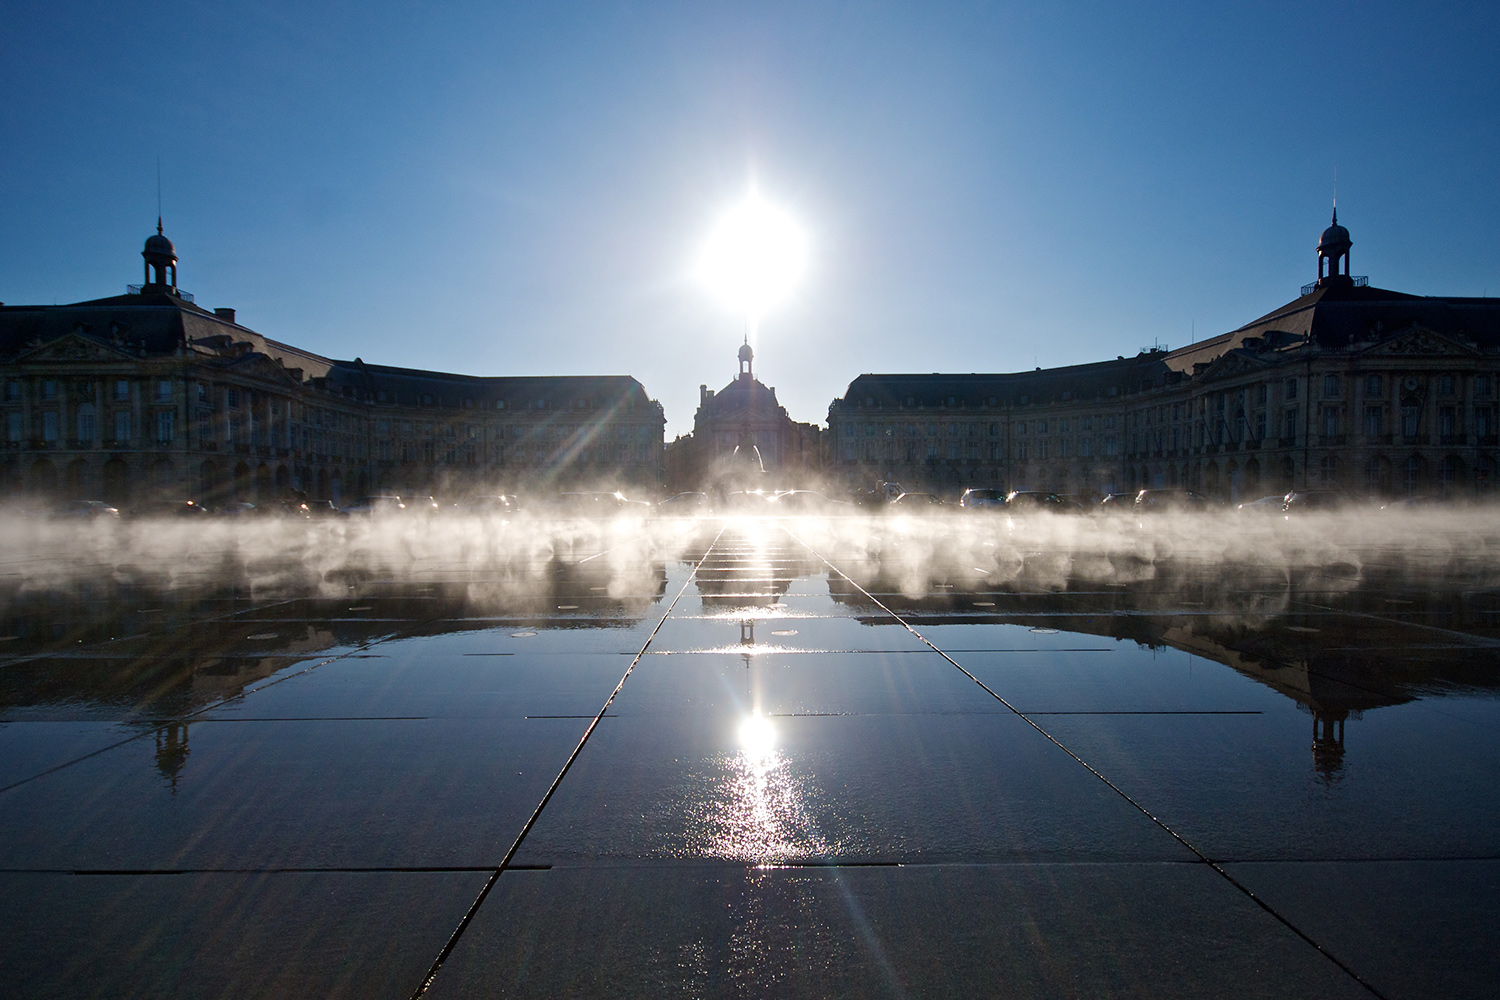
(522, 188)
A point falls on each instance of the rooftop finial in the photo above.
(159, 232)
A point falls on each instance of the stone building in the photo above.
(147, 395)
(744, 415)
(1361, 389)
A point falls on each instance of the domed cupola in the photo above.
(747, 355)
(161, 257)
(1333, 250)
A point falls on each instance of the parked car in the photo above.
(85, 509)
(171, 508)
(581, 504)
(1023, 501)
(685, 503)
(748, 502)
(499, 503)
(977, 499)
(383, 504)
(1117, 502)
(1305, 501)
(1160, 501)
(1263, 505)
(920, 503)
(806, 502)
(322, 508)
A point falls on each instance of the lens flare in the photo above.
(754, 256)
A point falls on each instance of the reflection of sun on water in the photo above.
(755, 809)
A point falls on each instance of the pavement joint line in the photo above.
(468, 917)
(1284, 921)
(193, 716)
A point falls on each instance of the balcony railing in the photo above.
(1360, 281)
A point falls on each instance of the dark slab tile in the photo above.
(1413, 929)
(244, 935)
(1119, 930)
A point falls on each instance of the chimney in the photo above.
(702, 394)
(225, 313)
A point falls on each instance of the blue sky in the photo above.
(522, 189)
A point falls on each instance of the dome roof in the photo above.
(746, 354)
(158, 246)
(1335, 236)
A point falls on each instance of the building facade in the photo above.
(744, 416)
(1350, 387)
(149, 396)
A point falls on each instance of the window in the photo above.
(1062, 425)
(166, 426)
(49, 425)
(122, 425)
(1109, 446)
(85, 423)
(1481, 386)
(1261, 393)
(1330, 386)
(1372, 385)
(1290, 390)
(49, 389)
(1260, 425)
(12, 392)
(1289, 423)
(1021, 427)
(1447, 422)
(1330, 421)
(13, 426)
(1041, 426)
(232, 398)
(1086, 447)
(1021, 450)
(163, 390)
(1328, 470)
(1088, 423)
(1374, 421)
(1411, 419)
(994, 430)
(1445, 385)
(1109, 423)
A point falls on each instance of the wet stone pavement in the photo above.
(753, 758)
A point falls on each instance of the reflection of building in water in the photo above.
(1336, 669)
(1347, 386)
(171, 751)
(148, 394)
(742, 420)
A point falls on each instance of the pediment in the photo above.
(261, 366)
(75, 347)
(1231, 364)
(1418, 340)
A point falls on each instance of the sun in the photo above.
(754, 256)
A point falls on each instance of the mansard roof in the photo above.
(1044, 385)
(157, 323)
(1338, 316)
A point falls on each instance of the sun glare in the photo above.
(754, 256)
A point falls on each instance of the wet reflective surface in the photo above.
(925, 757)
